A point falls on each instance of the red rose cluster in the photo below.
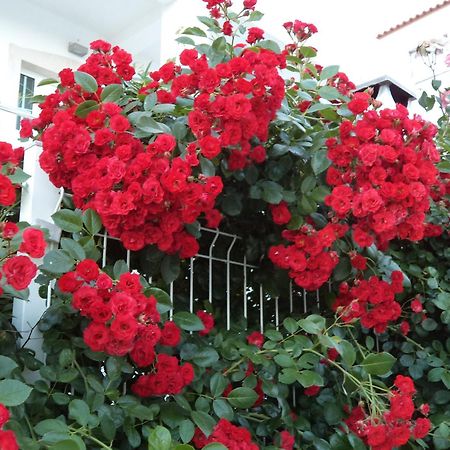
(235, 101)
(231, 436)
(9, 159)
(309, 259)
(7, 437)
(397, 425)
(207, 320)
(372, 301)
(16, 270)
(382, 173)
(144, 194)
(126, 322)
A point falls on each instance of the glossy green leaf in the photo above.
(13, 392)
(86, 81)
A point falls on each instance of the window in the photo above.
(26, 92)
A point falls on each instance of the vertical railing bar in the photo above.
(245, 288)
(50, 286)
(318, 299)
(171, 301)
(261, 308)
(191, 286)
(294, 397)
(210, 260)
(229, 283)
(105, 246)
(291, 298)
(277, 317)
(128, 258)
(304, 301)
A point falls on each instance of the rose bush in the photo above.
(349, 201)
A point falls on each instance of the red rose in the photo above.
(67, 77)
(88, 270)
(187, 372)
(256, 338)
(119, 123)
(280, 213)
(33, 243)
(255, 34)
(405, 384)
(8, 440)
(287, 440)
(227, 28)
(26, 129)
(359, 102)
(69, 282)
(19, 271)
(10, 229)
(402, 407)
(416, 305)
(96, 336)
(100, 45)
(209, 146)
(170, 335)
(249, 4)
(7, 191)
(311, 391)
(142, 354)
(124, 327)
(421, 428)
(4, 415)
(207, 320)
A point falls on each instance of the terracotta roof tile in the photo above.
(418, 16)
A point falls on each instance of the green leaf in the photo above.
(217, 384)
(120, 267)
(111, 93)
(205, 357)
(68, 220)
(194, 31)
(308, 184)
(47, 81)
(186, 430)
(347, 351)
(378, 363)
(170, 268)
(73, 248)
(49, 425)
(207, 166)
(272, 192)
(223, 409)
(290, 324)
(7, 365)
(219, 45)
(92, 221)
(188, 321)
(86, 81)
(19, 176)
(163, 299)
(184, 447)
(74, 443)
(284, 360)
(270, 45)
(185, 40)
(215, 446)
(79, 411)
(242, 397)
(318, 107)
(57, 261)
(328, 93)
(288, 376)
(159, 439)
(14, 392)
(255, 16)
(309, 378)
(150, 125)
(313, 324)
(85, 108)
(320, 161)
(328, 72)
(204, 421)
